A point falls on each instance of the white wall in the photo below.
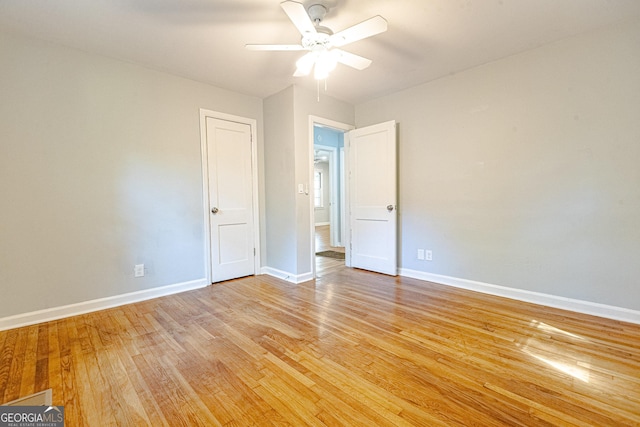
(525, 172)
(280, 186)
(99, 170)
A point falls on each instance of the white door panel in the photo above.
(231, 199)
(373, 198)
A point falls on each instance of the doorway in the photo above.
(328, 203)
(328, 213)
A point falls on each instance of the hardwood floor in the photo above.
(326, 265)
(352, 348)
(323, 239)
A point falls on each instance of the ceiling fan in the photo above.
(321, 43)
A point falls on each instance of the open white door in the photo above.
(372, 197)
(229, 159)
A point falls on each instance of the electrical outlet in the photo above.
(138, 270)
(421, 254)
(428, 255)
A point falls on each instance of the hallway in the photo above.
(325, 264)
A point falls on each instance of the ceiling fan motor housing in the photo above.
(321, 38)
(317, 13)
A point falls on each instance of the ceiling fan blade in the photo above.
(299, 16)
(274, 47)
(350, 59)
(305, 64)
(368, 28)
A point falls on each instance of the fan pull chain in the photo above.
(318, 88)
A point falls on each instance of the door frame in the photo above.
(342, 173)
(344, 127)
(252, 123)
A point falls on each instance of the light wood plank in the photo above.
(351, 348)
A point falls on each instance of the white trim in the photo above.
(252, 123)
(564, 303)
(54, 313)
(580, 306)
(315, 120)
(289, 277)
(343, 197)
(318, 224)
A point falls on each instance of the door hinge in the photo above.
(254, 251)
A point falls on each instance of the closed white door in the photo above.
(230, 199)
(372, 198)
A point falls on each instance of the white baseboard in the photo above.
(289, 277)
(318, 224)
(55, 313)
(580, 306)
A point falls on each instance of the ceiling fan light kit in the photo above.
(320, 43)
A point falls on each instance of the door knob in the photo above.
(215, 210)
(389, 208)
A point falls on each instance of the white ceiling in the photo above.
(204, 39)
